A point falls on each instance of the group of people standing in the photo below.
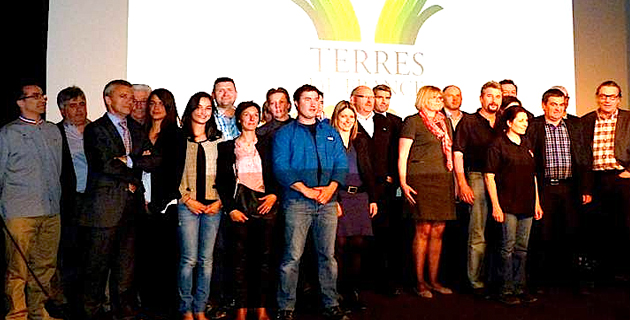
(160, 209)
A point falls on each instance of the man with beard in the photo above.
(472, 138)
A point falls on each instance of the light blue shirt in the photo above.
(227, 126)
(79, 161)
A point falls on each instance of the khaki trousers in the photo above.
(38, 238)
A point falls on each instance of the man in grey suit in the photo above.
(117, 151)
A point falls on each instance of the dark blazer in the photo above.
(226, 176)
(68, 179)
(361, 144)
(380, 150)
(582, 174)
(164, 177)
(622, 136)
(109, 178)
(396, 124)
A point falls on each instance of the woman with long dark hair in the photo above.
(157, 233)
(199, 204)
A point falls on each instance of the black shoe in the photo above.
(284, 315)
(509, 299)
(353, 303)
(335, 313)
(527, 298)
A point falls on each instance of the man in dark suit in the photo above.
(607, 133)
(379, 131)
(564, 183)
(117, 151)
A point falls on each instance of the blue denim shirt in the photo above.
(297, 156)
(30, 167)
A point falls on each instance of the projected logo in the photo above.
(398, 23)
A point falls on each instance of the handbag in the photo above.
(247, 201)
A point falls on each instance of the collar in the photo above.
(31, 121)
(114, 118)
(369, 116)
(560, 124)
(602, 116)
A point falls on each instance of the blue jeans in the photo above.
(514, 253)
(301, 217)
(197, 234)
(476, 230)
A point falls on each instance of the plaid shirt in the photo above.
(604, 143)
(557, 151)
(227, 126)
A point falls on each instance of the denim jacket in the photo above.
(296, 155)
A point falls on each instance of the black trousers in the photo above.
(252, 253)
(107, 252)
(556, 240)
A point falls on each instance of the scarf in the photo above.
(437, 126)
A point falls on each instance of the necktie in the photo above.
(126, 136)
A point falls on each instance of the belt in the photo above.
(354, 189)
(555, 182)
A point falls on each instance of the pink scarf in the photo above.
(437, 126)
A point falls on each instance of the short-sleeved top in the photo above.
(472, 138)
(514, 169)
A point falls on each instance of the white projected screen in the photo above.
(185, 45)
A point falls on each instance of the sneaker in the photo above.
(284, 315)
(509, 299)
(527, 298)
(335, 313)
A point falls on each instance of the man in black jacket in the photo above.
(564, 183)
(117, 151)
(607, 132)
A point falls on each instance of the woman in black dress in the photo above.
(510, 178)
(425, 166)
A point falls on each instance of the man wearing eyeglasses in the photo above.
(30, 190)
(607, 132)
(141, 94)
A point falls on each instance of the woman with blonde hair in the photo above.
(425, 166)
(357, 205)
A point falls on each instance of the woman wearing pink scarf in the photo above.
(425, 166)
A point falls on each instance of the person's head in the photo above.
(554, 104)
(118, 97)
(490, 97)
(279, 103)
(224, 92)
(452, 98)
(200, 110)
(566, 95)
(382, 97)
(344, 118)
(514, 119)
(266, 113)
(72, 105)
(608, 96)
(362, 98)
(320, 106)
(429, 98)
(31, 100)
(140, 99)
(509, 101)
(247, 115)
(508, 88)
(306, 100)
(161, 107)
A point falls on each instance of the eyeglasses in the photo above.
(36, 96)
(140, 102)
(605, 97)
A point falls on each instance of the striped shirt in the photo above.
(227, 125)
(557, 151)
(604, 143)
